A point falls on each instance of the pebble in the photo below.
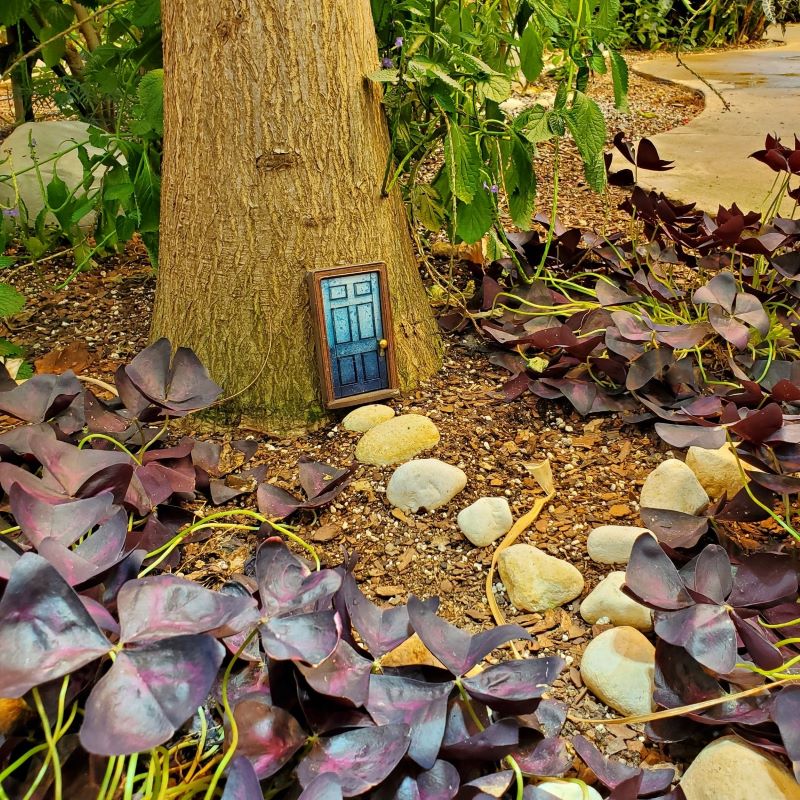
(397, 440)
(363, 418)
(411, 652)
(674, 487)
(536, 581)
(568, 791)
(424, 483)
(717, 470)
(612, 544)
(730, 769)
(618, 667)
(486, 520)
(607, 600)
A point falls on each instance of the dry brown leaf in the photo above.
(74, 356)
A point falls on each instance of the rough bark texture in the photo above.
(274, 152)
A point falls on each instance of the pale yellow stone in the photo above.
(536, 581)
(412, 652)
(717, 470)
(364, 418)
(397, 440)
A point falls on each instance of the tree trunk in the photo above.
(275, 146)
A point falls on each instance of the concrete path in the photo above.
(710, 153)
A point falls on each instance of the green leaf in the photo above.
(11, 11)
(8, 348)
(463, 161)
(57, 192)
(147, 189)
(7, 261)
(605, 22)
(475, 218)
(426, 206)
(151, 99)
(619, 77)
(146, 13)
(531, 53)
(588, 127)
(11, 301)
(53, 52)
(533, 124)
(81, 210)
(521, 189)
(495, 87)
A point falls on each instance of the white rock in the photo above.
(612, 544)
(569, 791)
(486, 520)
(618, 666)
(717, 470)
(607, 600)
(363, 418)
(397, 440)
(536, 581)
(673, 486)
(730, 769)
(424, 483)
(50, 138)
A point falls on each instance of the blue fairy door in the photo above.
(354, 328)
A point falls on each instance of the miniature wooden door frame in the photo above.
(323, 346)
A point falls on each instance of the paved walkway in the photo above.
(710, 153)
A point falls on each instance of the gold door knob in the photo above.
(383, 344)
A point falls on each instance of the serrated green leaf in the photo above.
(8, 348)
(54, 51)
(533, 124)
(57, 192)
(521, 192)
(56, 15)
(605, 21)
(11, 301)
(594, 169)
(473, 219)
(463, 162)
(151, 99)
(587, 126)
(531, 52)
(495, 87)
(619, 77)
(7, 261)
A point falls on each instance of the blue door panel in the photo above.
(352, 309)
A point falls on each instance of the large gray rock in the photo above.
(730, 769)
(612, 544)
(397, 440)
(608, 600)
(673, 486)
(618, 667)
(424, 483)
(717, 470)
(536, 581)
(486, 520)
(46, 139)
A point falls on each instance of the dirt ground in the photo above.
(598, 463)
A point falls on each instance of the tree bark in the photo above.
(275, 145)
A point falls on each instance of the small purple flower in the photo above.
(493, 188)
(10, 212)
(398, 43)
(387, 63)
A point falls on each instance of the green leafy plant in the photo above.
(449, 68)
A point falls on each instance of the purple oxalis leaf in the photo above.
(786, 713)
(344, 675)
(268, 735)
(458, 650)
(323, 787)
(492, 743)
(163, 606)
(168, 679)
(764, 579)
(705, 631)
(514, 687)
(286, 583)
(242, 782)
(45, 631)
(422, 706)
(8, 558)
(360, 759)
(674, 528)
(64, 522)
(382, 629)
(310, 638)
(652, 579)
(40, 397)
(318, 478)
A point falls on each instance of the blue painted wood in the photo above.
(352, 309)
